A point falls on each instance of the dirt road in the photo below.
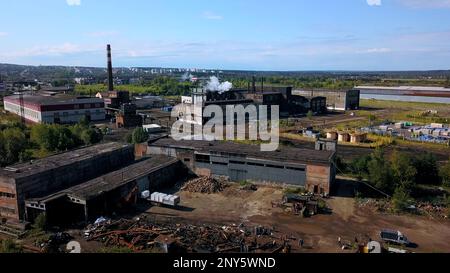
(320, 232)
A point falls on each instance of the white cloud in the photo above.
(212, 16)
(3, 34)
(73, 2)
(375, 50)
(426, 3)
(56, 50)
(374, 2)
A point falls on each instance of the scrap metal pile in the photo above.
(205, 184)
(140, 235)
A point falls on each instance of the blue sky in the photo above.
(229, 34)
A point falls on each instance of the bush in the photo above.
(445, 174)
(10, 246)
(294, 191)
(139, 135)
(40, 222)
(401, 199)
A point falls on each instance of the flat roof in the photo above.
(114, 180)
(58, 160)
(324, 90)
(285, 154)
(51, 100)
(406, 88)
(108, 182)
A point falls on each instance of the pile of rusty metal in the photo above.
(141, 235)
(205, 184)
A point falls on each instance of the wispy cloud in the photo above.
(212, 16)
(375, 50)
(426, 3)
(73, 2)
(3, 34)
(56, 50)
(374, 2)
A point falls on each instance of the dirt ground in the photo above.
(320, 233)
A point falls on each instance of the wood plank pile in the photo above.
(205, 184)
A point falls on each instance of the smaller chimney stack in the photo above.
(110, 71)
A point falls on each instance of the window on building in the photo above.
(275, 166)
(219, 163)
(237, 162)
(7, 195)
(203, 158)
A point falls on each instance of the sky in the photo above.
(229, 34)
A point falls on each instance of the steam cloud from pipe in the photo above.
(215, 85)
(187, 77)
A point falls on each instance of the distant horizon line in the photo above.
(217, 69)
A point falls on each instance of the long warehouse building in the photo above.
(311, 169)
(58, 109)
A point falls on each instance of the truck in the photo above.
(159, 199)
(395, 237)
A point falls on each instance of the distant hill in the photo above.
(13, 72)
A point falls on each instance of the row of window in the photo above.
(206, 159)
(7, 195)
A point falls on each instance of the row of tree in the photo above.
(160, 86)
(19, 143)
(399, 174)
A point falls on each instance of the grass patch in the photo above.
(294, 191)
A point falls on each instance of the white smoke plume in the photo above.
(187, 77)
(216, 86)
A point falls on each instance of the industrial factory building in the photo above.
(55, 109)
(341, 100)
(55, 173)
(105, 194)
(406, 93)
(288, 103)
(312, 169)
(82, 184)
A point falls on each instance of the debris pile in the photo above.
(141, 235)
(433, 210)
(205, 184)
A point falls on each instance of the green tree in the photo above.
(139, 135)
(427, 169)
(90, 136)
(401, 199)
(445, 174)
(379, 171)
(359, 166)
(310, 114)
(45, 136)
(14, 144)
(403, 171)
